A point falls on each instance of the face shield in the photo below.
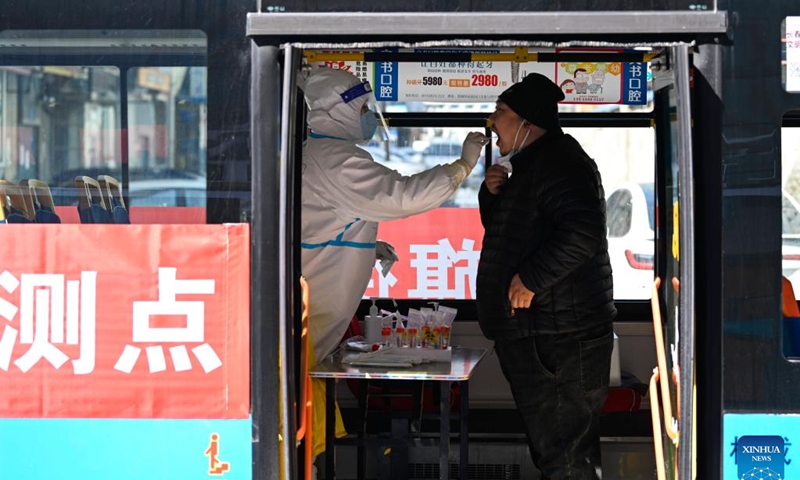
(367, 118)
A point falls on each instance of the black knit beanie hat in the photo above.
(535, 99)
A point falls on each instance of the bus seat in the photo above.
(791, 321)
(43, 206)
(113, 194)
(790, 308)
(627, 397)
(13, 203)
(91, 205)
(27, 198)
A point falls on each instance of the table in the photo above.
(459, 369)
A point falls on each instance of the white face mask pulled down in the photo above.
(505, 160)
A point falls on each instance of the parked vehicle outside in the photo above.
(631, 233)
(631, 227)
(790, 240)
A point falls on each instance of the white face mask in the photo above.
(505, 160)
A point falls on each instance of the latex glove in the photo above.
(387, 256)
(473, 148)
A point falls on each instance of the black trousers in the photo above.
(559, 384)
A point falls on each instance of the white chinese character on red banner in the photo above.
(50, 314)
(432, 263)
(194, 331)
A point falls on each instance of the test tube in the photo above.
(400, 336)
(436, 329)
(426, 333)
(414, 324)
(448, 315)
(386, 330)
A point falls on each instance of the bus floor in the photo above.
(497, 448)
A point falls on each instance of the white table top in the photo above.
(460, 368)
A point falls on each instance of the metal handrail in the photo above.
(686, 333)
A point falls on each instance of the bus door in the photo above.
(672, 385)
(278, 126)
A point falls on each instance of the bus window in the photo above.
(441, 247)
(429, 117)
(59, 122)
(790, 192)
(166, 123)
(413, 150)
(430, 112)
(790, 232)
(63, 115)
(625, 159)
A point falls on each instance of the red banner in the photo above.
(438, 255)
(125, 321)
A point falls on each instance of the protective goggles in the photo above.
(355, 92)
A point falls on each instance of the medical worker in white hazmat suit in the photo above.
(345, 194)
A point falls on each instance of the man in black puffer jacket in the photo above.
(544, 286)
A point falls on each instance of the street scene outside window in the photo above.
(790, 234)
(59, 122)
(443, 264)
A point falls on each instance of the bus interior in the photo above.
(628, 102)
(191, 113)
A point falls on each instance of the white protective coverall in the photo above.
(345, 193)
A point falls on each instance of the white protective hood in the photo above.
(328, 112)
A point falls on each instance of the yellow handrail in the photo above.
(654, 414)
(304, 430)
(670, 424)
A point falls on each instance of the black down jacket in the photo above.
(548, 223)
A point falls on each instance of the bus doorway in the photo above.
(425, 136)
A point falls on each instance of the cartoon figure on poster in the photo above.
(568, 86)
(590, 82)
(581, 80)
(598, 77)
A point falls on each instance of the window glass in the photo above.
(626, 159)
(791, 215)
(618, 213)
(650, 196)
(417, 149)
(166, 119)
(57, 123)
(64, 119)
(439, 250)
(154, 198)
(167, 125)
(790, 153)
